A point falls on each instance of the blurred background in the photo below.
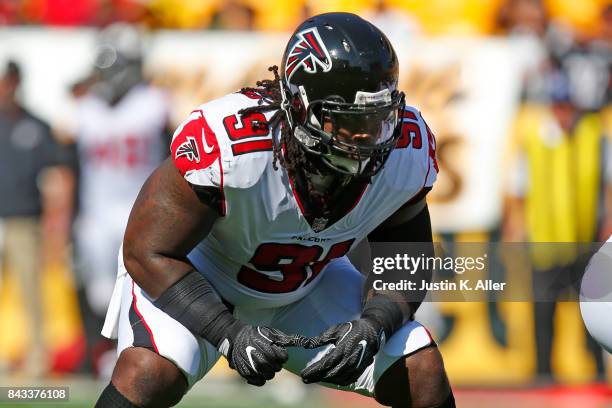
(517, 93)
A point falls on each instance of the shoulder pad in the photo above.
(413, 160)
(217, 146)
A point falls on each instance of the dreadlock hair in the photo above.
(272, 99)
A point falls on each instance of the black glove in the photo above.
(354, 346)
(257, 352)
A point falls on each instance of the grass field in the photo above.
(288, 392)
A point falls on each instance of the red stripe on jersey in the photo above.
(431, 156)
(252, 146)
(144, 322)
(406, 114)
(432, 147)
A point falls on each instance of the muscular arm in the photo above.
(166, 222)
(409, 224)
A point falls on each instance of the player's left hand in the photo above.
(354, 345)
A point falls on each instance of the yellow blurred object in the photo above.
(564, 179)
(471, 353)
(182, 13)
(61, 313)
(435, 17)
(570, 339)
(583, 14)
(350, 6)
(451, 17)
(473, 356)
(606, 115)
(14, 335)
(276, 15)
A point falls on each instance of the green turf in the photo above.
(206, 402)
(229, 393)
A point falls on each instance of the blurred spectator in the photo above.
(127, 11)
(527, 22)
(26, 149)
(433, 16)
(585, 62)
(558, 182)
(83, 12)
(557, 195)
(9, 12)
(523, 17)
(603, 41)
(605, 26)
(181, 14)
(120, 140)
(233, 15)
(60, 12)
(397, 24)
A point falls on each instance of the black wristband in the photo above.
(194, 303)
(385, 312)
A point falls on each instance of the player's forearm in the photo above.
(392, 309)
(196, 305)
(408, 300)
(415, 230)
(180, 291)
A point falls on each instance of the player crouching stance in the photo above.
(226, 252)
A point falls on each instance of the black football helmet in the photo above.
(118, 63)
(339, 81)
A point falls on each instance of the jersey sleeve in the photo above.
(196, 152)
(416, 169)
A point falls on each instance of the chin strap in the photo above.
(355, 167)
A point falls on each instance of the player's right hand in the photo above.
(257, 352)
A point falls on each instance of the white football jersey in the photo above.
(262, 252)
(119, 146)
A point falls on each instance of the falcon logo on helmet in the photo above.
(189, 149)
(307, 52)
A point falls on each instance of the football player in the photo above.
(121, 127)
(121, 122)
(236, 245)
